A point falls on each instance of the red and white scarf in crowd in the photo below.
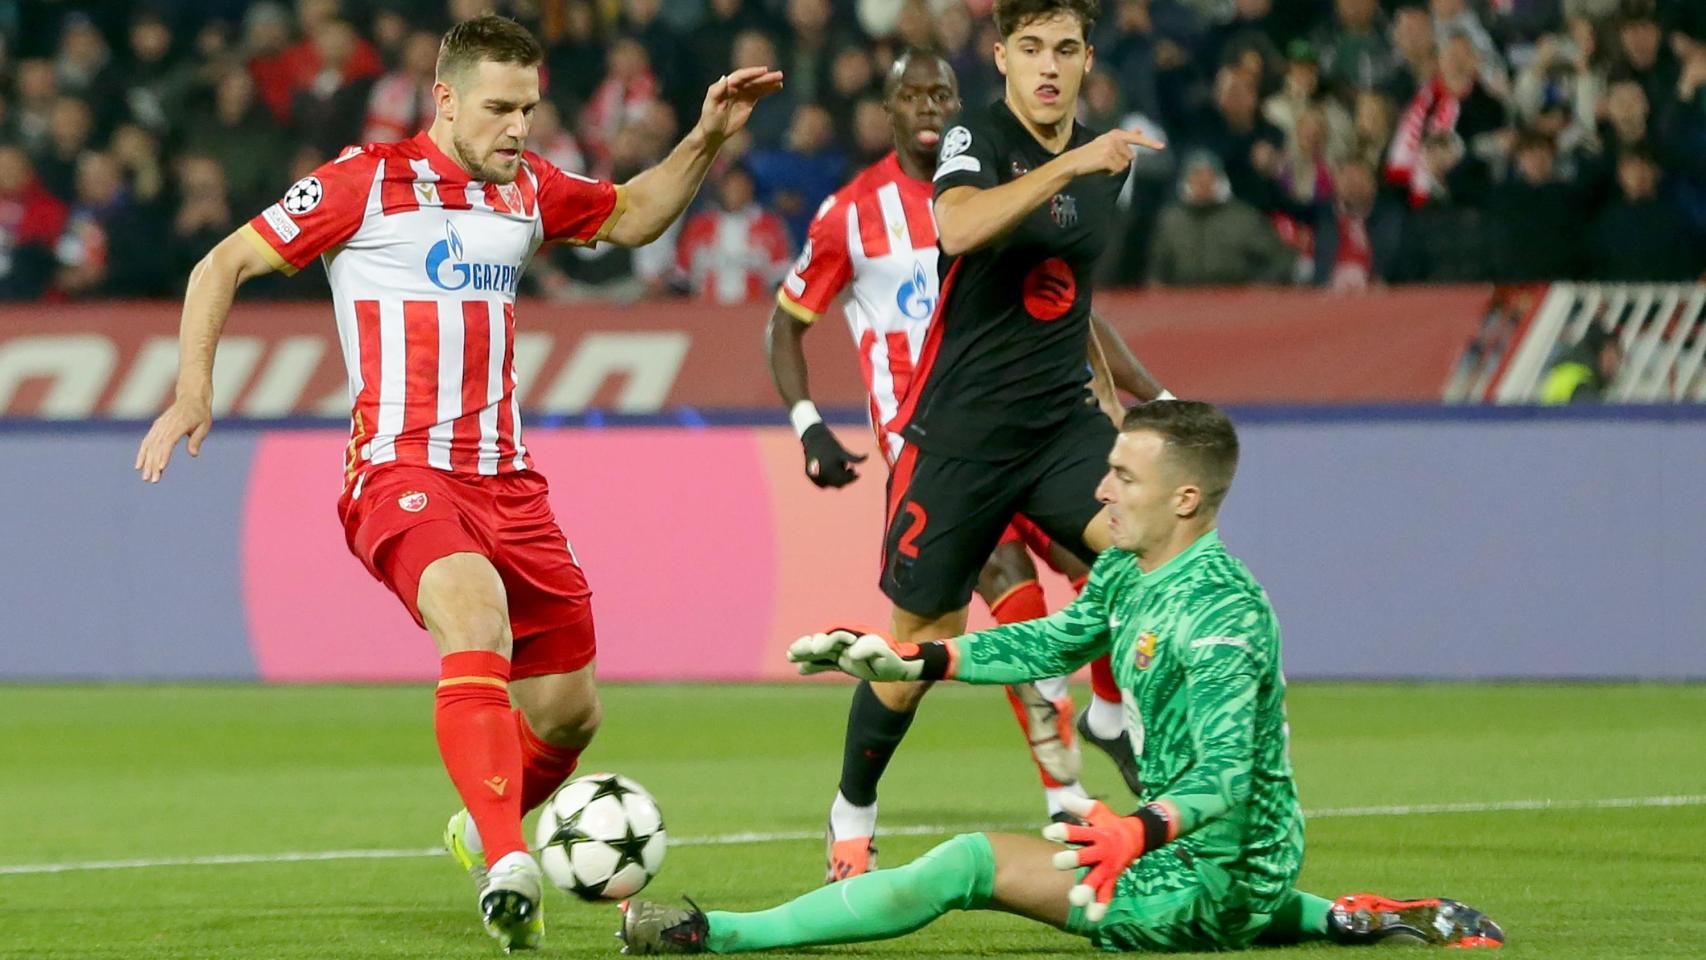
(1434, 110)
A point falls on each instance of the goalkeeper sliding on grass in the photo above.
(1209, 862)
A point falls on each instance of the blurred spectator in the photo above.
(1538, 217)
(772, 115)
(1444, 238)
(204, 214)
(1357, 237)
(1638, 237)
(713, 40)
(1372, 127)
(1624, 128)
(70, 131)
(852, 77)
(1153, 176)
(1682, 133)
(31, 221)
(1301, 92)
(1304, 176)
(1456, 18)
(1454, 101)
(1355, 51)
(575, 62)
(32, 108)
(735, 252)
(1557, 93)
(1252, 27)
(242, 137)
(83, 67)
(139, 160)
(550, 139)
(1247, 146)
(111, 245)
(1417, 54)
(1643, 56)
(1101, 105)
(401, 104)
(1584, 372)
(389, 30)
(794, 180)
(629, 88)
(156, 82)
(266, 37)
(808, 57)
(606, 271)
(956, 39)
(1211, 237)
(1148, 45)
(666, 54)
(330, 59)
(329, 110)
(872, 139)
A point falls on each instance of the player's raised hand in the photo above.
(729, 101)
(188, 416)
(828, 463)
(1107, 843)
(1111, 152)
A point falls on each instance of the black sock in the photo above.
(873, 733)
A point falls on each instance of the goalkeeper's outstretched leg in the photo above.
(1163, 903)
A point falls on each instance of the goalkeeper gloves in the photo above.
(828, 463)
(871, 656)
(1107, 843)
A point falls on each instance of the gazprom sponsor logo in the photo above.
(448, 270)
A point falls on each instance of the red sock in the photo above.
(476, 738)
(543, 766)
(1078, 582)
(1021, 603)
(1102, 680)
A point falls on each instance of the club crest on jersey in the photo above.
(1145, 650)
(414, 501)
(913, 298)
(445, 257)
(1064, 209)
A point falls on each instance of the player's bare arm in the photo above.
(207, 302)
(658, 196)
(828, 463)
(969, 218)
(1115, 370)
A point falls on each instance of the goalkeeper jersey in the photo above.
(1196, 650)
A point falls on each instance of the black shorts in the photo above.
(946, 514)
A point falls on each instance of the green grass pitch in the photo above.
(118, 773)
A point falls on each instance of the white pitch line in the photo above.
(914, 830)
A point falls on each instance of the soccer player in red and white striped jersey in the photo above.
(877, 236)
(424, 241)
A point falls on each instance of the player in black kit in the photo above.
(997, 422)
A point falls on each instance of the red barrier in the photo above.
(1252, 346)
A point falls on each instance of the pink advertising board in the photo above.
(708, 552)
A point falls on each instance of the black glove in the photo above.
(828, 463)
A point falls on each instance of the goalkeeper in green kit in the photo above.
(1210, 860)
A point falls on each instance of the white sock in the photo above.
(1053, 689)
(471, 839)
(1105, 718)
(518, 860)
(847, 819)
(1052, 795)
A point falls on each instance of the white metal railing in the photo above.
(1660, 326)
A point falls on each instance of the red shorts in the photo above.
(408, 516)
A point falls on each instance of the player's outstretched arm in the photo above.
(828, 463)
(1117, 370)
(207, 302)
(657, 197)
(968, 218)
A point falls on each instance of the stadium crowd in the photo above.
(1332, 142)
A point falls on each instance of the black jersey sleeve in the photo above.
(969, 157)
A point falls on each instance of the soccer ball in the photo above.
(601, 837)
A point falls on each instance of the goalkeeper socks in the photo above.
(1300, 917)
(543, 767)
(873, 733)
(1023, 602)
(476, 738)
(956, 875)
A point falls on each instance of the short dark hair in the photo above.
(1010, 15)
(488, 37)
(1199, 436)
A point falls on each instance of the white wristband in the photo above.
(803, 415)
(1165, 394)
